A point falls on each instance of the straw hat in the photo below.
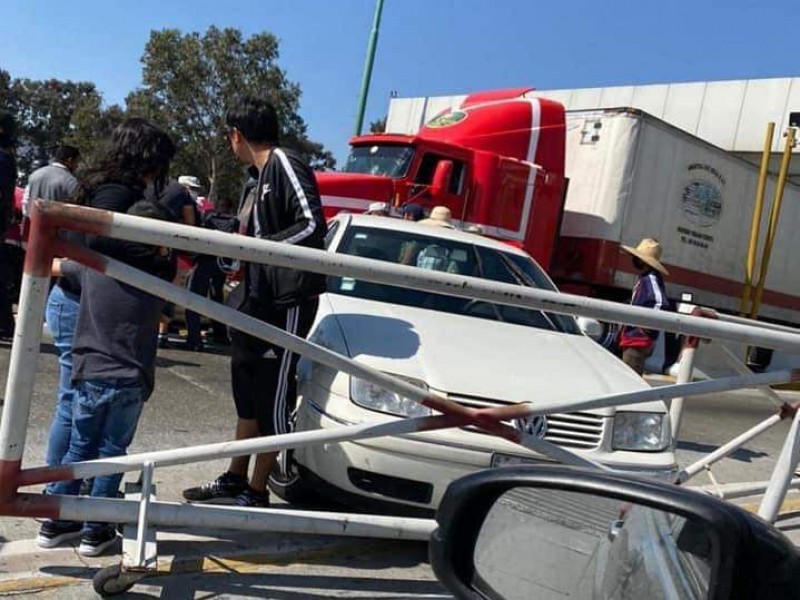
(440, 217)
(377, 208)
(649, 252)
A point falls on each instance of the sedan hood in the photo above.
(469, 356)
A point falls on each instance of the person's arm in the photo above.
(55, 267)
(300, 191)
(652, 297)
(67, 268)
(70, 187)
(8, 181)
(26, 200)
(188, 214)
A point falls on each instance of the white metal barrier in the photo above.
(48, 218)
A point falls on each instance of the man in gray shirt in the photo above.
(56, 181)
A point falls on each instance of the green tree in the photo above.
(52, 112)
(189, 80)
(92, 125)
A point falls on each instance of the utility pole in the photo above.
(373, 42)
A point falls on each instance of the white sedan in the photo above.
(474, 352)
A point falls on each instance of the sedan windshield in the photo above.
(384, 160)
(433, 253)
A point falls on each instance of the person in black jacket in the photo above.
(8, 181)
(284, 206)
(208, 276)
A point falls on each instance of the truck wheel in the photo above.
(286, 482)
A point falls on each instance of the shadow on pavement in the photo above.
(164, 362)
(298, 587)
(742, 454)
(240, 578)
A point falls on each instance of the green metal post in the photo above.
(373, 42)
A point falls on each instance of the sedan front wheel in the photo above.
(286, 482)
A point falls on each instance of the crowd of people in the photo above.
(107, 333)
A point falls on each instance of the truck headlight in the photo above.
(373, 397)
(641, 431)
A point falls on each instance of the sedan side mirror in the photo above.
(527, 533)
(590, 328)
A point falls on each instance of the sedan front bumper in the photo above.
(415, 470)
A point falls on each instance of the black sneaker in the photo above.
(226, 486)
(86, 487)
(253, 498)
(97, 541)
(52, 533)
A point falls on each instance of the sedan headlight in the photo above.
(373, 397)
(641, 431)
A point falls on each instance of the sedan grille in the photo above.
(575, 430)
(580, 430)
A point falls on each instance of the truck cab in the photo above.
(496, 161)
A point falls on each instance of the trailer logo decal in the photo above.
(447, 119)
(702, 196)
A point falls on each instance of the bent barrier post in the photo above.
(49, 218)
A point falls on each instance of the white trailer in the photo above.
(633, 176)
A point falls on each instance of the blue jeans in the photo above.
(61, 316)
(105, 413)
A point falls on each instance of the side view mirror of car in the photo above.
(590, 328)
(526, 533)
(441, 179)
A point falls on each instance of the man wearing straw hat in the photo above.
(638, 343)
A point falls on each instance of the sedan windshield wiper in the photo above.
(524, 280)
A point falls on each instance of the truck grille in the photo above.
(581, 430)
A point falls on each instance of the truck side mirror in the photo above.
(441, 178)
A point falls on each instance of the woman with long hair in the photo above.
(138, 154)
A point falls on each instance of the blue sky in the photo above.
(425, 47)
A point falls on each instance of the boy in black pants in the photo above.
(285, 207)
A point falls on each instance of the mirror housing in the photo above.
(441, 179)
(748, 558)
(590, 328)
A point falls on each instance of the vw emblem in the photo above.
(535, 426)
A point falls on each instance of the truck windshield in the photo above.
(449, 256)
(384, 160)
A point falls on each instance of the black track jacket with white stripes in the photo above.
(287, 209)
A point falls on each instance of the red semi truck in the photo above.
(497, 162)
(570, 187)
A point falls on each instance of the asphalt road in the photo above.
(192, 405)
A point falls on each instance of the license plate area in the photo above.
(499, 459)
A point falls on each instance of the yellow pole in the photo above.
(774, 215)
(755, 225)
